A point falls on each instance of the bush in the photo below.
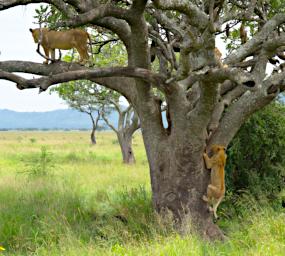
(256, 154)
(41, 164)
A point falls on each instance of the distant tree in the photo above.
(98, 102)
(128, 123)
(77, 95)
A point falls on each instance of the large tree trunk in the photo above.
(179, 180)
(125, 141)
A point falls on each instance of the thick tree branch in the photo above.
(120, 27)
(108, 123)
(138, 7)
(123, 85)
(237, 114)
(273, 43)
(219, 75)
(197, 18)
(45, 82)
(61, 5)
(168, 23)
(275, 83)
(121, 120)
(200, 116)
(256, 42)
(12, 77)
(116, 105)
(6, 4)
(104, 10)
(135, 123)
(223, 102)
(62, 72)
(64, 8)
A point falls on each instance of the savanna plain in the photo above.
(59, 195)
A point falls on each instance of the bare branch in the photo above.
(196, 17)
(275, 82)
(120, 27)
(64, 8)
(94, 14)
(254, 44)
(167, 23)
(6, 4)
(219, 75)
(116, 105)
(11, 77)
(124, 84)
(138, 7)
(102, 44)
(108, 123)
(79, 74)
(225, 101)
(135, 123)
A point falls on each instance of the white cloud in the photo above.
(16, 43)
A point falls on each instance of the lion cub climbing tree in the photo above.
(216, 188)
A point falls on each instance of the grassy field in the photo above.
(61, 196)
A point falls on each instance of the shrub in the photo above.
(33, 140)
(39, 165)
(256, 155)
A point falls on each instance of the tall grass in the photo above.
(92, 204)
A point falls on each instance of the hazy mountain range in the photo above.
(57, 119)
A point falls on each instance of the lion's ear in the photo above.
(31, 30)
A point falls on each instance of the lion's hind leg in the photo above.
(215, 206)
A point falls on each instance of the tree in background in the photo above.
(128, 123)
(207, 98)
(91, 98)
(77, 96)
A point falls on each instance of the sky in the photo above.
(16, 43)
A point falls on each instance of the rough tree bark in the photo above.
(207, 101)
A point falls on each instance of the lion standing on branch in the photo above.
(64, 40)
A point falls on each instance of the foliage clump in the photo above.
(40, 164)
(256, 155)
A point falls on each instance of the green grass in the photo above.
(89, 203)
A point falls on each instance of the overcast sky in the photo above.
(16, 43)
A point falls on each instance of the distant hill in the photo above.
(58, 119)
